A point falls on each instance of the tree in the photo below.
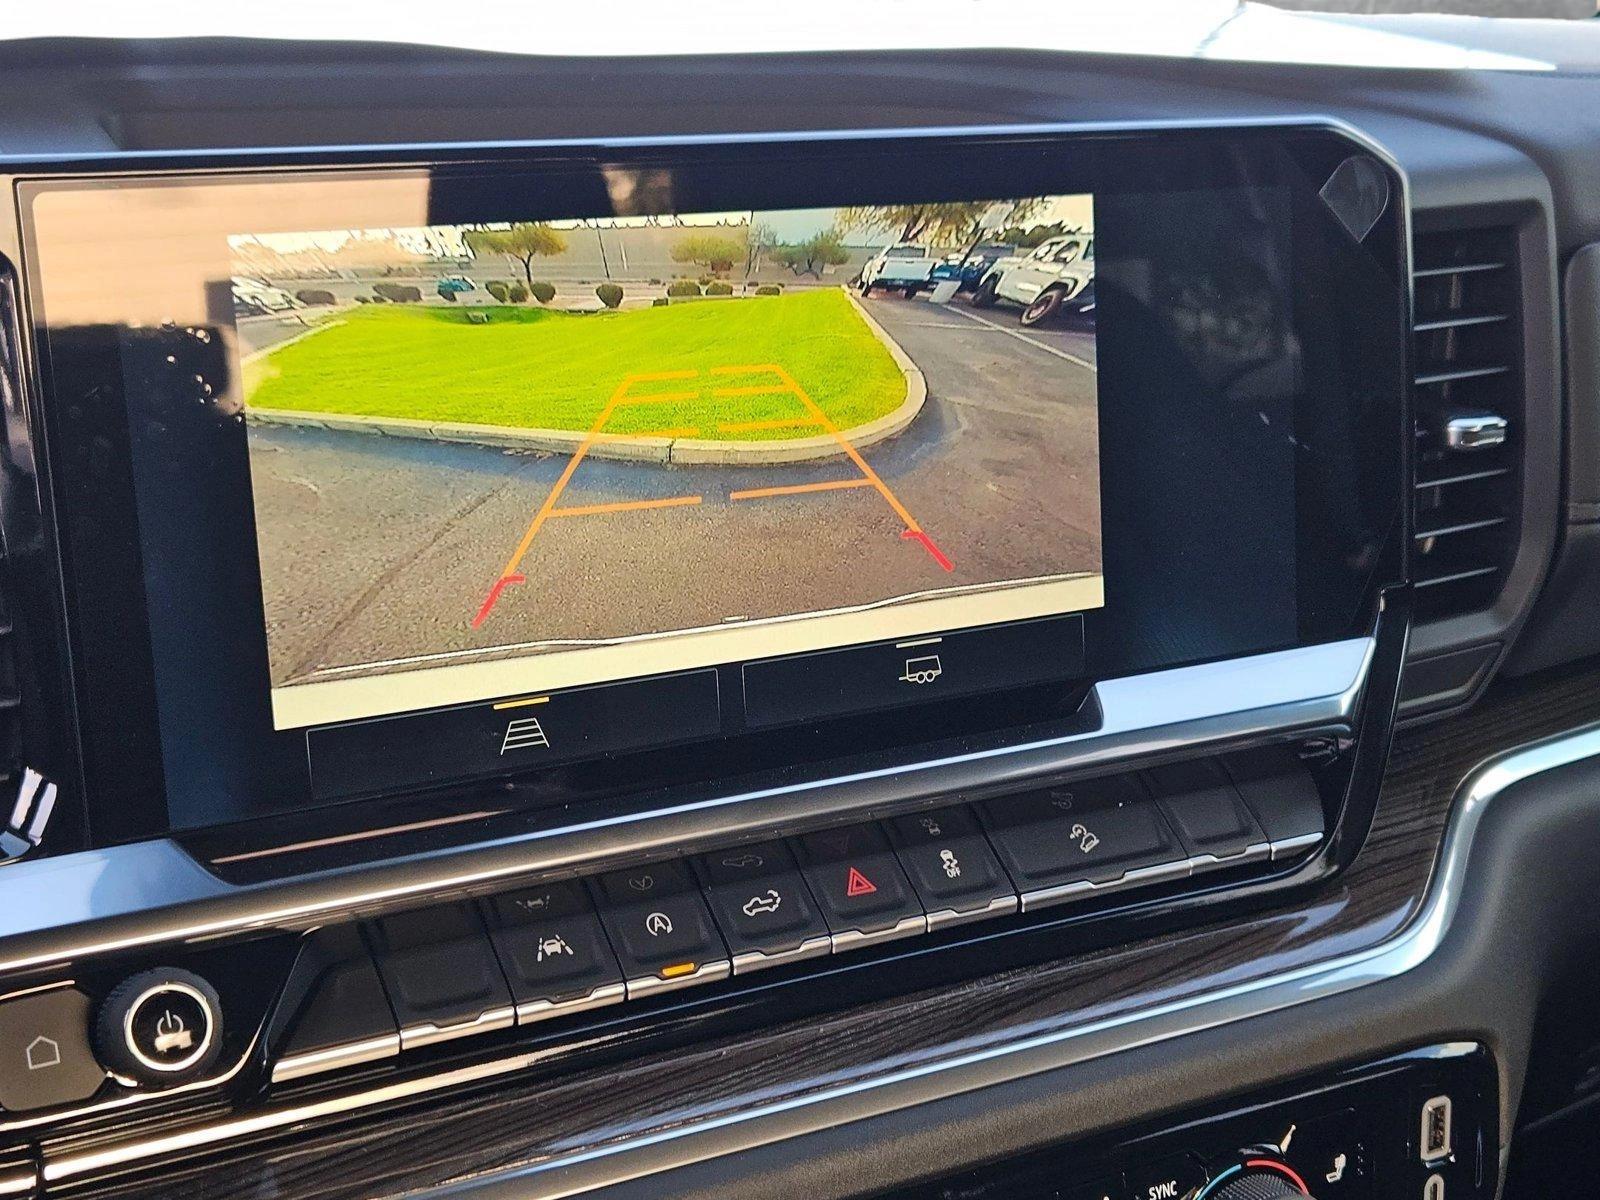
(522, 242)
(759, 239)
(824, 249)
(711, 250)
(948, 224)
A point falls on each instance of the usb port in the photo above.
(1435, 1142)
(1434, 1188)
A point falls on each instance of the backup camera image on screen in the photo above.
(491, 460)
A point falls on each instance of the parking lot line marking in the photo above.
(795, 489)
(1022, 337)
(780, 423)
(589, 510)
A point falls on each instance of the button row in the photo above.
(558, 948)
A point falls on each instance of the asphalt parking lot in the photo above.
(378, 549)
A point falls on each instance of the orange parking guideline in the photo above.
(795, 489)
(589, 510)
(620, 398)
(577, 457)
(827, 423)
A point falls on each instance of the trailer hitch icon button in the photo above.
(922, 669)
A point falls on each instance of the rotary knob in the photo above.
(1257, 1179)
(160, 1027)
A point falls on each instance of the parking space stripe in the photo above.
(1022, 337)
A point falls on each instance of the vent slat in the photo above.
(1467, 477)
(1456, 376)
(1459, 322)
(1462, 269)
(1466, 336)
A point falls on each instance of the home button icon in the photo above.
(46, 1060)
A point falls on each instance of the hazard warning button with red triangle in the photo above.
(858, 881)
(857, 884)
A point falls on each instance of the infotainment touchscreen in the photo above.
(529, 455)
(584, 473)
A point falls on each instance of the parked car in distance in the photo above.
(252, 297)
(455, 285)
(1054, 278)
(904, 267)
(969, 267)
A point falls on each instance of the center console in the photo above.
(513, 600)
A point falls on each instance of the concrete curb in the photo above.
(700, 451)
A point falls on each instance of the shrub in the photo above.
(684, 287)
(500, 289)
(544, 292)
(660, 302)
(314, 296)
(379, 300)
(610, 294)
(705, 279)
(769, 289)
(363, 299)
(719, 289)
(398, 293)
(447, 294)
(655, 283)
(517, 294)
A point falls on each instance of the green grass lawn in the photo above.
(554, 370)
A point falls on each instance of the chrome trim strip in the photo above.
(122, 898)
(1290, 846)
(755, 960)
(854, 939)
(335, 1058)
(530, 1011)
(19, 1182)
(946, 917)
(1256, 852)
(413, 1037)
(591, 1169)
(654, 985)
(1138, 877)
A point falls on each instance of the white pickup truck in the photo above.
(1055, 277)
(905, 267)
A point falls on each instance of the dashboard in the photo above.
(915, 624)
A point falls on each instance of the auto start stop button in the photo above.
(160, 1026)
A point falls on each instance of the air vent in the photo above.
(1468, 402)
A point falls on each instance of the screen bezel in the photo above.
(114, 680)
